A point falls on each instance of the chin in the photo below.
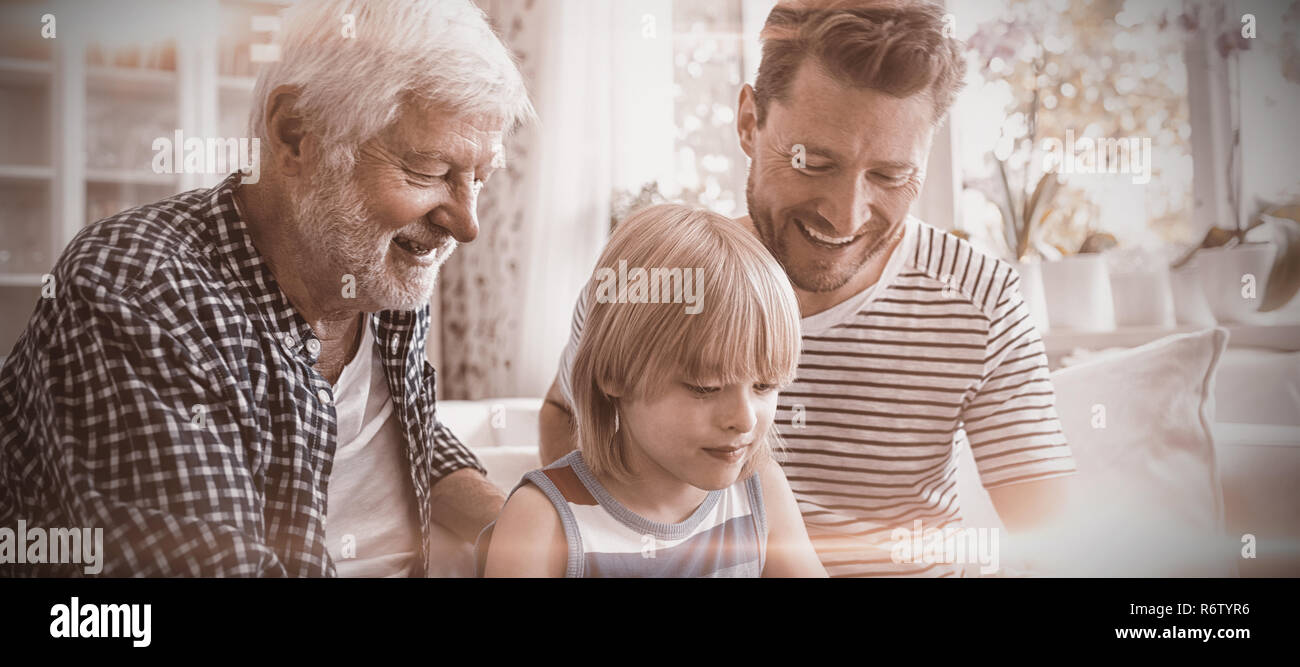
(717, 482)
(403, 298)
(394, 288)
(814, 276)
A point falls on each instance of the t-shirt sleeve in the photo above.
(571, 348)
(1011, 418)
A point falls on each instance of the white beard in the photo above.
(333, 224)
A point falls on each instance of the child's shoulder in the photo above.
(542, 495)
(527, 539)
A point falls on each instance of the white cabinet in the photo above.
(81, 111)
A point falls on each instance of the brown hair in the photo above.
(894, 46)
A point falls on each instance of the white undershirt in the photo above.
(372, 528)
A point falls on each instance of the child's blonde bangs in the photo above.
(746, 328)
(747, 331)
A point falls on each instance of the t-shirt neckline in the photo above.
(850, 307)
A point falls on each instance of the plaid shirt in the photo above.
(166, 394)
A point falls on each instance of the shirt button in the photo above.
(393, 344)
(289, 341)
(324, 396)
(313, 346)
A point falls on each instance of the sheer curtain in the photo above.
(506, 299)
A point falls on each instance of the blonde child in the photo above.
(692, 328)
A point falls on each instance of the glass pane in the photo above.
(106, 198)
(25, 108)
(25, 227)
(17, 303)
(707, 69)
(23, 32)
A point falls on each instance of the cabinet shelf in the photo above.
(24, 70)
(128, 177)
(22, 172)
(100, 78)
(237, 84)
(81, 116)
(20, 280)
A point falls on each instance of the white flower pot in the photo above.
(1031, 290)
(1191, 308)
(1234, 280)
(1078, 294)
(1143, 297)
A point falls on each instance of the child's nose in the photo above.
(739, 414)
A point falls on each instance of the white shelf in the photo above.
(129, 177)
(24, 70)
(20, 279)
(237, 84)
(137, 80)
(22, 172)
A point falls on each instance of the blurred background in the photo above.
(637, 102)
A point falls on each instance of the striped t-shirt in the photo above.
(726, 536)
(941, 352)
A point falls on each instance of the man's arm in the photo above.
(789, 552)
(557, 432)
(1031, 505)
(555, 422)
(1020, 450)
(124, 428)
(465, 502)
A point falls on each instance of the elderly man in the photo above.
(909, 334)
(220, 372)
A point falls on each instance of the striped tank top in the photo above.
(726, 536)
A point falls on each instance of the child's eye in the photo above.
(763, 388)
(701, 391)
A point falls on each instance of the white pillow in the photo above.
(1255, 386)
(1147, 498)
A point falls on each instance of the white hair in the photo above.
(354, 85)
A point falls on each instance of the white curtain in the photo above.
(567, 208)
(506, 299)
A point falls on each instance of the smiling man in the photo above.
(219, 373)
(910, 336)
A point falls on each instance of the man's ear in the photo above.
(290, 147)
(747, 120)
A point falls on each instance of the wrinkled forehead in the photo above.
(841, 118)
(432, 132)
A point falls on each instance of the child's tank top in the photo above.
(726, 536)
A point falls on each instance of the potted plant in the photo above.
(1243, 269)
(1066, 79)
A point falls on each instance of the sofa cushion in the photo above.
(1148, 500)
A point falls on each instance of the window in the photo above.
(1095, 90)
